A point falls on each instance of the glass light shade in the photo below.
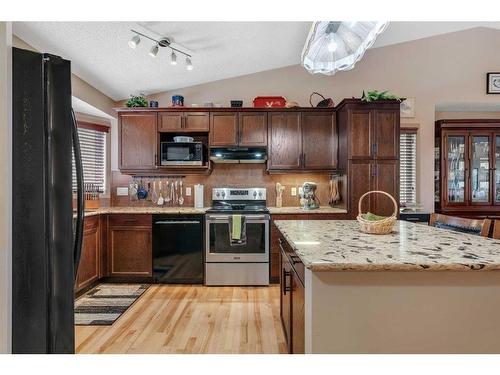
(173, 58)
(154, 51)
(189, 64)
(336, 46)
(132, 43)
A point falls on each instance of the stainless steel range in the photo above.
(237, 237)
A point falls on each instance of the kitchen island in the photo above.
(417, 290)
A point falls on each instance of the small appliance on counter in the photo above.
(237, 237)
(308, 198)
(236, 103)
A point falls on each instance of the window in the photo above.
(93, 148)
(408, 167)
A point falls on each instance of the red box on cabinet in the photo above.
(269, 102)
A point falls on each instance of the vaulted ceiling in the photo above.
(100, 55)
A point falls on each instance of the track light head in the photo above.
(173, 58)
(134, 41)
(189, 64)
(154, 51)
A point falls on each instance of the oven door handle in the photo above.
(247, 217)
(167, 222)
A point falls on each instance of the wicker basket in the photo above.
(383, 226)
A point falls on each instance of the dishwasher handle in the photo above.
(168, 222)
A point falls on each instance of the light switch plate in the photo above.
(121, 191)
(294, 191)
(188, 191)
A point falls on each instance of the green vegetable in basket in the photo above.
(372, 217)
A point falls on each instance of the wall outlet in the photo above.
(121, 191)
(188, 191)
(294, 191)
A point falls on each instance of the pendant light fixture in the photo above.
(162, 43)
(334, 46)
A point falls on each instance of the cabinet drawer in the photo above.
(294, 259)
(90, 223)
(130, 219)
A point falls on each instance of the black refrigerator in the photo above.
(47, 235)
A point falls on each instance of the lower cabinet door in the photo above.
(130, 251)
(285, 299)
(298, 319)
(88, 269)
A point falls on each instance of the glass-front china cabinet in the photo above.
(467, 168)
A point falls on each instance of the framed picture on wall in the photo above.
(408, 107)
(493, 83)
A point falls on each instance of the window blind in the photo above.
(408, 166)
(93, 148)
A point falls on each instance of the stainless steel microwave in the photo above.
(181, 153)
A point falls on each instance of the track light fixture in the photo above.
(165, 43)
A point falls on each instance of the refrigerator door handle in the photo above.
(77, 247)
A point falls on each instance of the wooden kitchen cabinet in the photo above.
(137, 139)
(292, 299)
(319, 141)
(366, 175)
(302, 141)
(245, 129)
(223, 129)
(285, 141)
(374, 134)
(183, 122)
(88, 268)
(129, 245)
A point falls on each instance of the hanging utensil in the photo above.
(160, 198)
(181, 198)
(154, 194)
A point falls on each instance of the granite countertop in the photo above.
(338, 245)
(145, 210)
(299, 210)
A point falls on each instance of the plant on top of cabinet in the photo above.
(137, 101)
(371, 96)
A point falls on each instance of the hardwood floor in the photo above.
(192, 319)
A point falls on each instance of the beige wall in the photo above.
(5, 177)
(445, 68)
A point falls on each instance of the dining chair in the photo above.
(460, 224)
(496, 230)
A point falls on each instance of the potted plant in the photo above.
(137, 101)
(374, 95)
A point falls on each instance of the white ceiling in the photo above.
(100, 55)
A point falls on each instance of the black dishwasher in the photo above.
(178, 249)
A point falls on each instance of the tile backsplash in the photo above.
(237, 175)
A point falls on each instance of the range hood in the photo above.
(237, 155)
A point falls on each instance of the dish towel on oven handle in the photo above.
(237, 230)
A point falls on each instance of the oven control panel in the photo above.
(226, 194)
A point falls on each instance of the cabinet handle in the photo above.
(304, 160)
(373, 149)
(183, 122)
(294, 259)
(285, 287)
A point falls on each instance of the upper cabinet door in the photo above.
(253, 129)
(319, 141)
(137, 141)
(285, 141)
(386, 131)
(361, 137)
(223, 129)
(170, 122)
(196, 122)
(455, 152)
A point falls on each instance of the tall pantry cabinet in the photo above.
(369, 152)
